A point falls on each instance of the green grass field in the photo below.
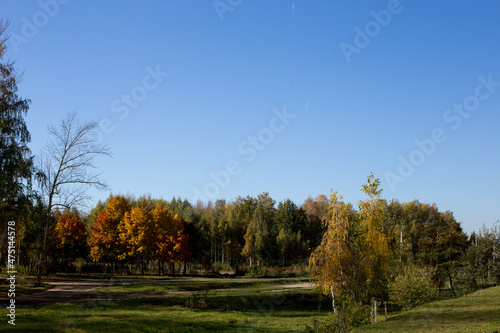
(244, 305)
(250, 308)
(477, 312)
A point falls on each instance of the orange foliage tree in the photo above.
(71, 237)
(173, 248)
(141, 234)
(105, 243)
(171, 242)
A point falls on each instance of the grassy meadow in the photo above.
(221, 305)
(475, 313)
(242, 305)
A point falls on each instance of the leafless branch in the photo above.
(68, 163)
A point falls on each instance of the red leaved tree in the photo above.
(71, 237)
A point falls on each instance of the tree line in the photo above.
(144, 232)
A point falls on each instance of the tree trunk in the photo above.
(222, 251)
(371, 312)
(333, 299)
(341, 318)
(451, 285)
(3, 236)
(42, 251)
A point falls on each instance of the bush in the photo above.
(331, 324)
(357, 315)
(221, 266)
(271, 271)
(412, 287)
(354, 315)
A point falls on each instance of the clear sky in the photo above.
(293, 97)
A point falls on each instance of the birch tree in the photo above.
(335, 262)
(374, 244)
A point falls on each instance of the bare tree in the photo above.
(68, 169)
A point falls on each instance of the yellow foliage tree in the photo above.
(375, 248)
(335, 262)
(116, 207)
(352, 260)
(137, 232)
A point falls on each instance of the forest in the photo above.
(358, 250)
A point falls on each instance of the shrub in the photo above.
(354, 315)
(220, 266)
(412, 287)
(357, 315)
(330, 324)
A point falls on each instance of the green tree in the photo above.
(90, 218)
(412, 287)
(397, 231)
(193, 249)
(291, 222)
(480, 264)
(16, 162)
(236, 229)
(441, 246)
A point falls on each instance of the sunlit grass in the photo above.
(476, 312)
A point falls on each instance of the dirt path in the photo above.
(283, 287)
(82, 291)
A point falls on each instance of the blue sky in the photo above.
(287, 97)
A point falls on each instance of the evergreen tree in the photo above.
(16, 162)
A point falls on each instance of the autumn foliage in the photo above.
(365, 253)
(71, 236)
(138, 234)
